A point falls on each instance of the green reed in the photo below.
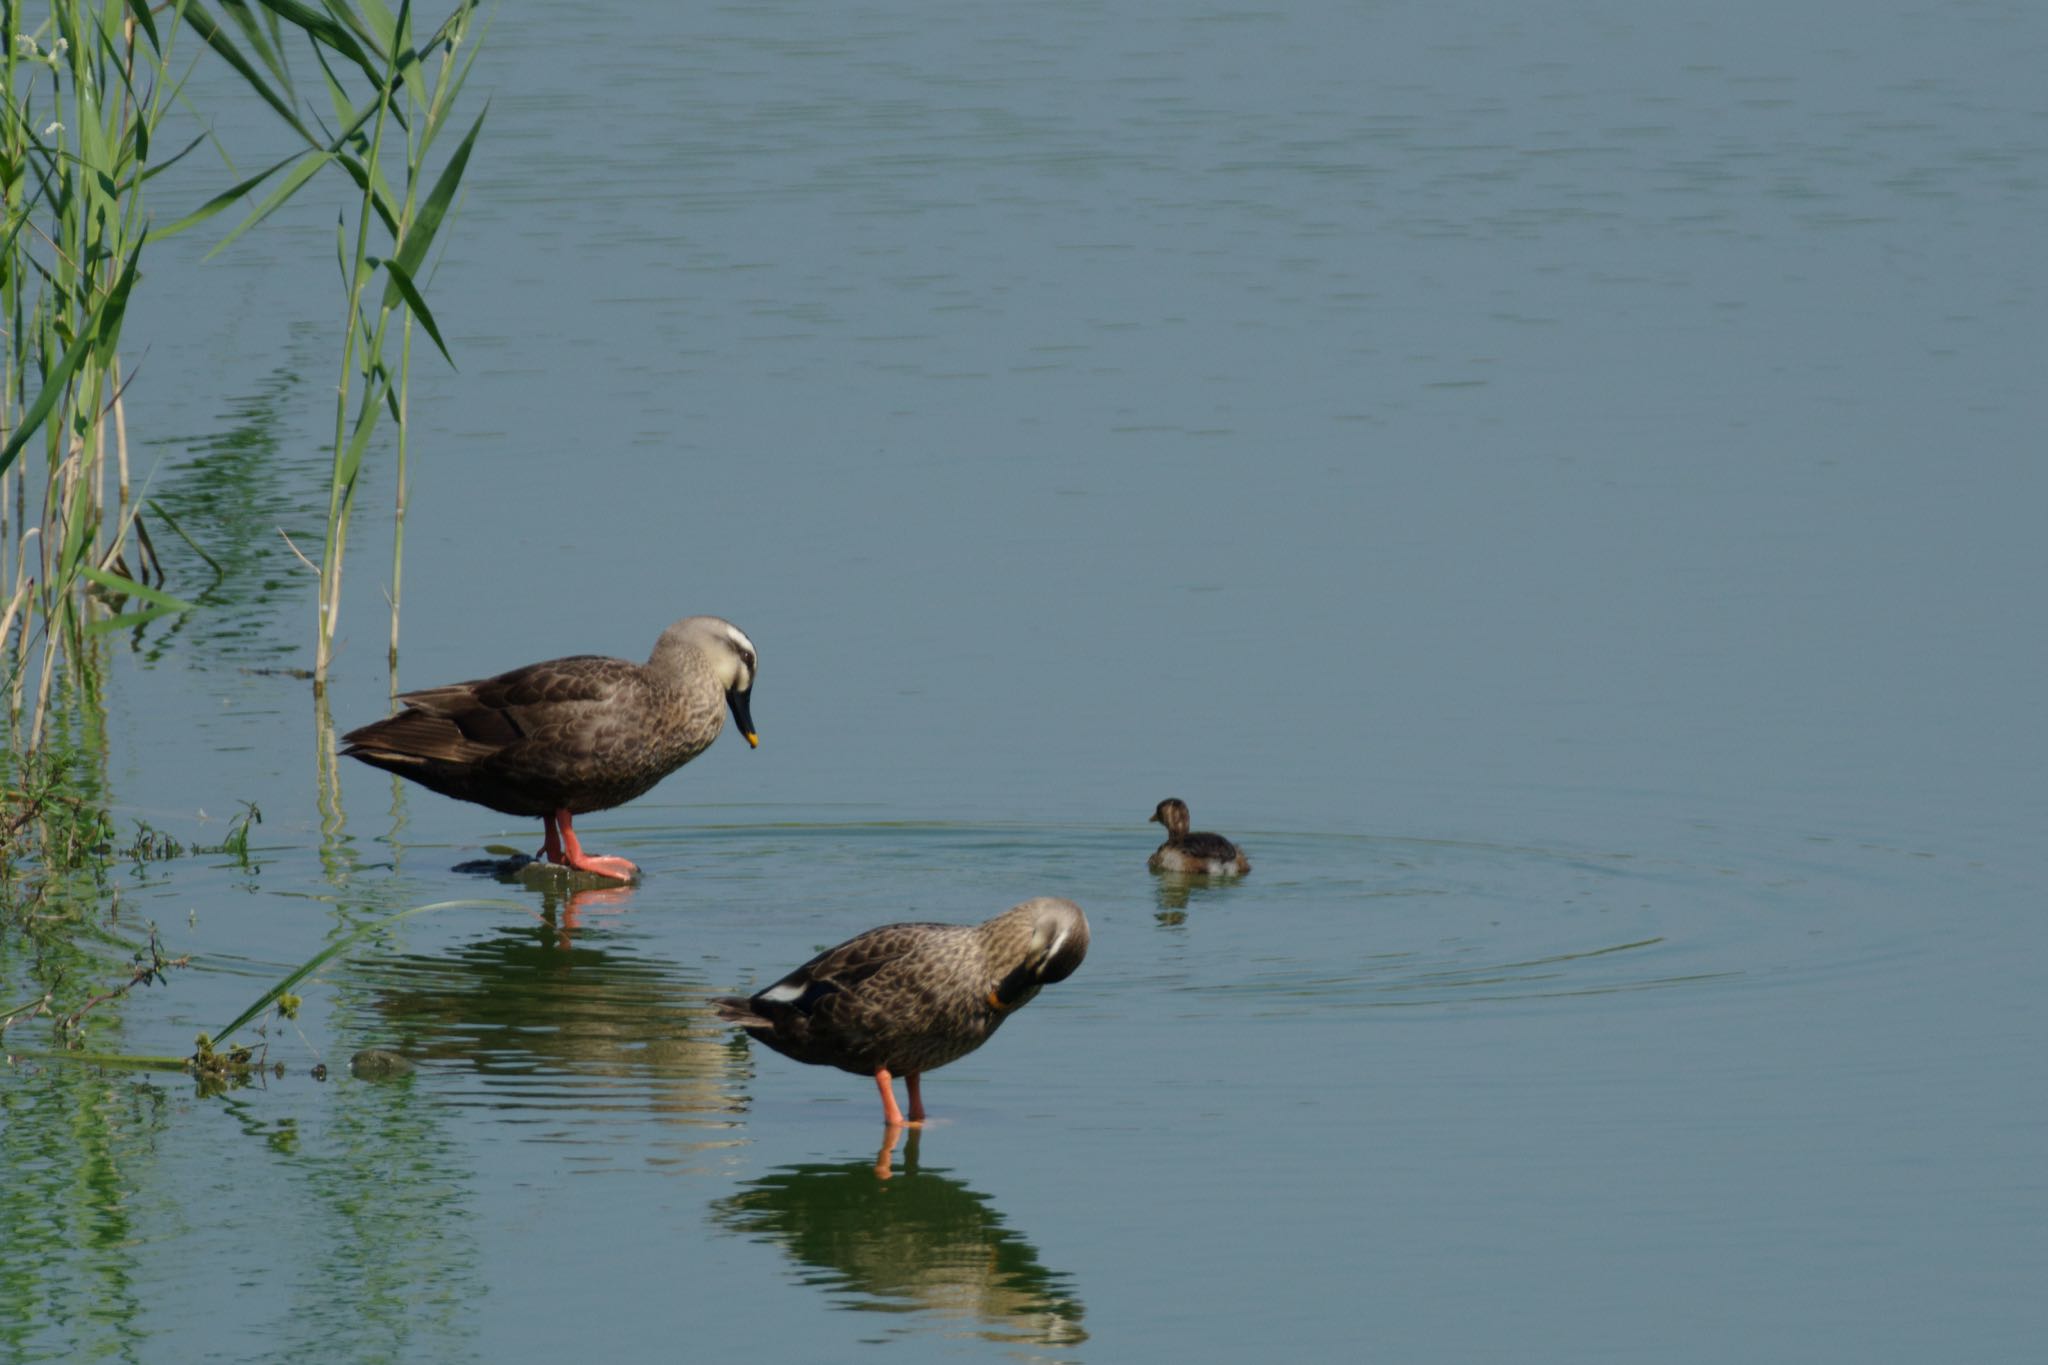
(85, 93)
(88, 85)
(393, 95)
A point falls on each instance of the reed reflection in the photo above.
(920, 1242)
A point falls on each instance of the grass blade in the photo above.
(326, 954)
(124, 1060)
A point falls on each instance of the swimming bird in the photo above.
(561, 738)
(905, 999)
(1202, 853)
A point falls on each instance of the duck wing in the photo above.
(840, 971)
(837, 1008)
(1206, 845)
(467, 723)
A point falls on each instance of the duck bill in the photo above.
(743, 715)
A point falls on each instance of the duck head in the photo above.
(1172, 813)
(725, 649)
(1050, 938)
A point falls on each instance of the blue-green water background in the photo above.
(1560, 483)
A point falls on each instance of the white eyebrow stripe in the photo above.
(1054, 950)
(783, 990)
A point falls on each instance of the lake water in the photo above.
(1560, 484)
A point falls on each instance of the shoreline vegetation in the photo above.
(98, 106)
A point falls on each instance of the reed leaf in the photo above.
(451, 85)
(379, 43)
(351, 462)
(259, 41)
(157, 168)
(146, 21)
(211, 33)
(129, 619)
(78, 525)
(337, 93)
(418, 305)
(137, 129)
(379, 199)
(323, 28)
(380, 18)
(128, 587)
(434, 210)
(223, 199)
(321, 958)
(310, 165)
(102, 328)
(394, 32)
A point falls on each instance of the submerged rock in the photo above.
(379, 1064)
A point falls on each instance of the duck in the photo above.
(905, 999)
(1201, 853)
(569, 736)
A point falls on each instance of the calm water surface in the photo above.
(1560, 487)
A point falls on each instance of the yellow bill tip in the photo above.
(753, 740)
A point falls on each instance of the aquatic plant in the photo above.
(52, 816)
(216, 1054)
(84, 93)
(413, 86)
(87, 91)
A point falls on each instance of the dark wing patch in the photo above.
(839, 969)
(418, 736)
(1206, 845)
(470, 721)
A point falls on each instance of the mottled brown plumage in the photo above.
(1201, 853)
(908, 998)
(560, 738)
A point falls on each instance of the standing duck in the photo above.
(568, 736)
(1201, 853)
(905, 999)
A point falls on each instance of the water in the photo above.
(1555, 486)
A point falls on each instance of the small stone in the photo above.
(378, 1064)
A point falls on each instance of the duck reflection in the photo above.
(566, 896)
(919, 1243)
(583, 1027)
(1175, 890)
